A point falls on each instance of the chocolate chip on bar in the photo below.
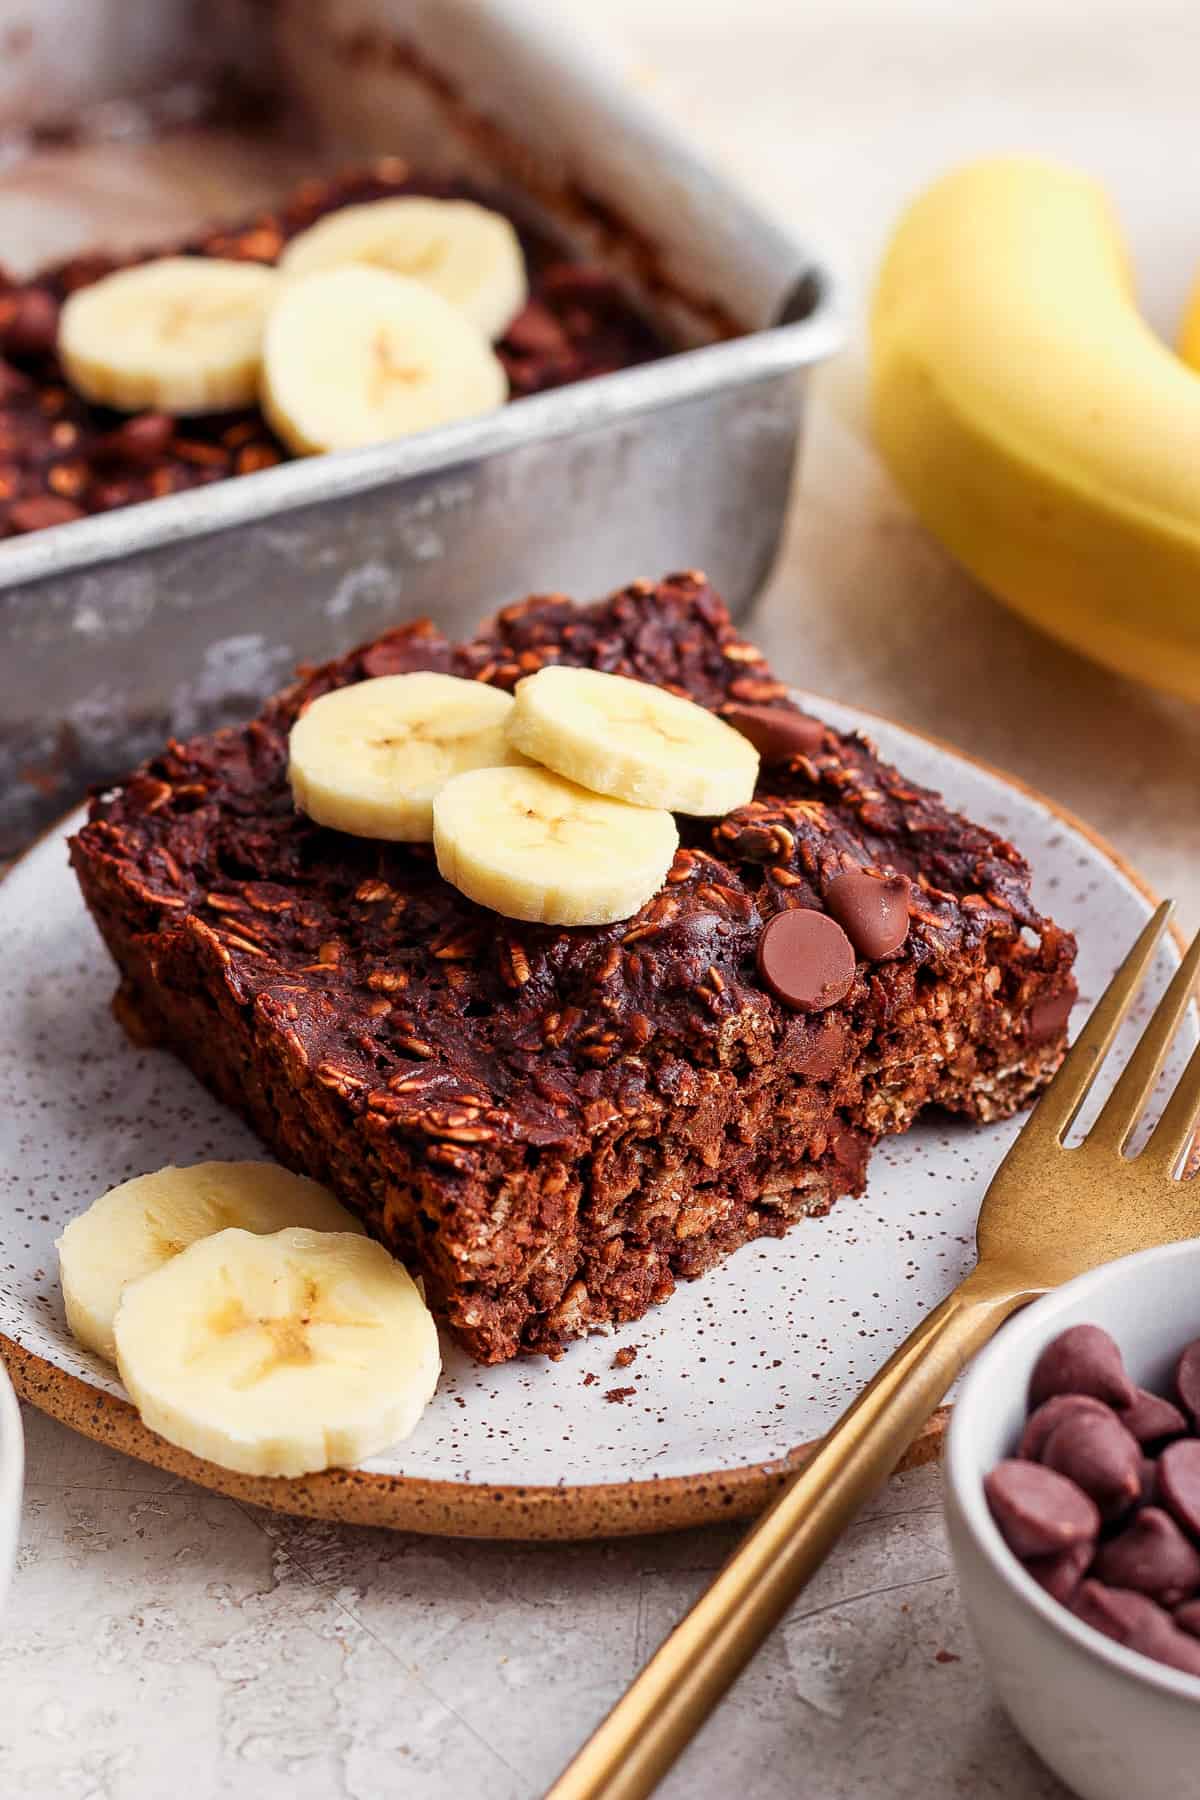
(29, 322)
(776, 732)
(141, 440)
(1081, 1360)
(806, 960)
(1048, 1016)
(871, 909)
(1039, 1512)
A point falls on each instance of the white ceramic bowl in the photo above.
(1110, 1723)
(12, 1479)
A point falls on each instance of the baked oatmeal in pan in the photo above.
(63, 456)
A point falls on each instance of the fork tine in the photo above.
(1125, 1104)
(1177, 1126)
(1055, 1112)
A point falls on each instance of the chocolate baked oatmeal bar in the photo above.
(62, 457)
(554, 1125)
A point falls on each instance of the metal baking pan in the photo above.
(182, 613)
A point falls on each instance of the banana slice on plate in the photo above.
(633, 741)
(468, 254)
(182, 334)
(532, 846)
(137, 1227)
(278, 1355)
(355, 356)
(369, 758)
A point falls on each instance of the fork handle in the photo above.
(667, 1703)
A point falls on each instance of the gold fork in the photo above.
(1049, 1213)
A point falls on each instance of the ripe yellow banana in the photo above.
(1189, 331)
(1036, 423)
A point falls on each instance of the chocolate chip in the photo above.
(1039, 1512)
(1149, 1481)
(1048, 1016)
(1151, 1417)
(1179, 1483)
(777, 732)
(825, 1047)
(32, 328)
(1097, 1453)
(536, 332)
(1137, 1622)
(140, 440)
(1060, 1575)
(871, 909)
(806, 959)
(253, 457)
(1151, 1556)
(1187, 1379)
(849, 1152)
(578, 281)
(41, 510)
(13, 382)
(1187, 1617)
(1081, 1360)
(106, 495)
(1052, 1412)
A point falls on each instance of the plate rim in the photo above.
(437, 1508)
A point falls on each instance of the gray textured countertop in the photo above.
(160, 1637)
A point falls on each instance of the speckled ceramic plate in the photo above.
(732, 1376)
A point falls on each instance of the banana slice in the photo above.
(533, 846)
(355, 356)
(636, 742)
(368, 759)
(183, 334)
(464, 252)
(278, 1355)
(139, 1226)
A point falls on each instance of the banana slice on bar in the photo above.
(182, 334)
(532, 846)
(369, 758)
(356, 356)
(468, 254)
(279, 1355)
(633, 741)
(137, 1227)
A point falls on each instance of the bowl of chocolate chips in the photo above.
(1073, 1506)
